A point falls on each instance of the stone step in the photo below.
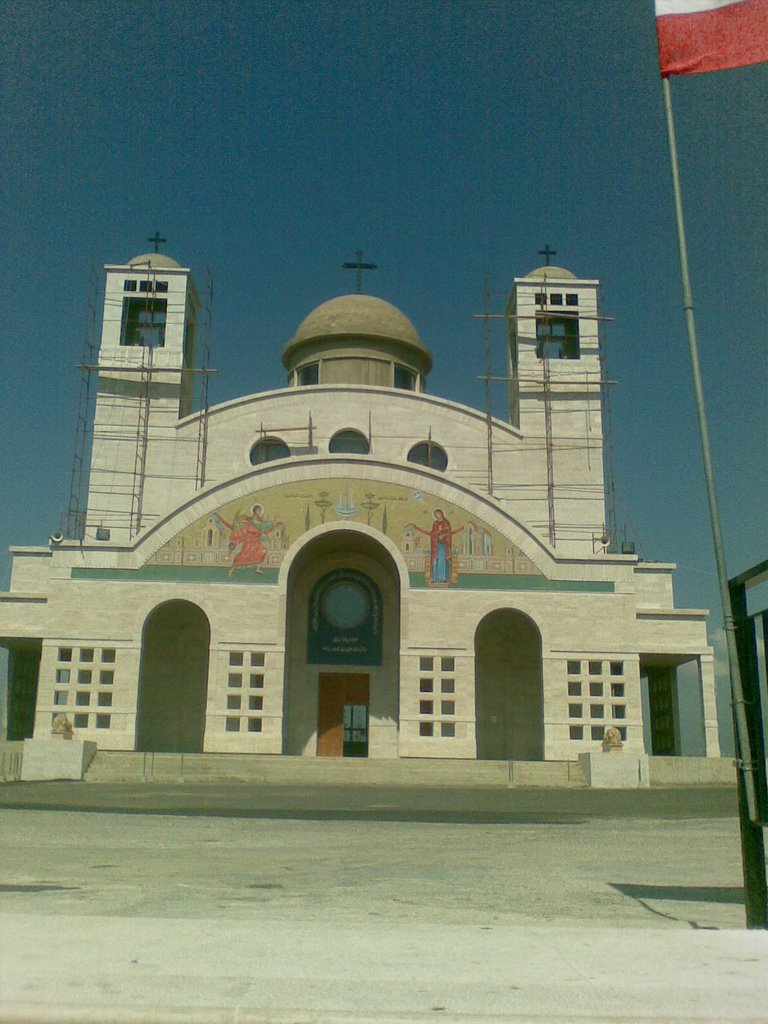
(130, 766)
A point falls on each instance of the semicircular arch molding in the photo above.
(269, 509)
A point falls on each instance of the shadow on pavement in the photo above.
(686, 893)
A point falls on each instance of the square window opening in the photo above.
(404, 378)
(597, 732)
(81, 721)
(448, 729)
(308, 375)
(426, 685)
(448, 686)
(574, 668)
(595, 689)
(425, 664)
(597, 711)
(83, 698)
(617, 689)
(595, 668)
(84, 677)
(448, 707)
(574, 689)
(232, 725)
(576, 732)
(65, 654)
(235, 679)
(255, 703)
(105, 700)
(617, 668)
(108, 655)
(60, 696)
(619, 711)
(103, 721)
(233, 701)
(426, 707)
(257, 658)
(447, 664)
(235, 657)
(254, 725)
(426, 729)
(143, 322)
(575, 710)
(86, 654)
(62, 676)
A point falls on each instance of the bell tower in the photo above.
(145, 385)
(555, 396)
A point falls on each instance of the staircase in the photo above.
(276, 770)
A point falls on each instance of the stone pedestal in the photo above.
(615, 769)
(56, 759)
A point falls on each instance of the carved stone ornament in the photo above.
(612, 739)
(61, 727)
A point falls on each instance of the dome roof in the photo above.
(153, 260)
(553, 273)
(357, 317)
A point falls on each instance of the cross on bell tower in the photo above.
(358, 267)
(157, 240)
(546, 252)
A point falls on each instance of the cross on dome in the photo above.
(359, 267)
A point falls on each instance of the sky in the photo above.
(448, 139)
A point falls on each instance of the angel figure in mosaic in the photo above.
(245, 538)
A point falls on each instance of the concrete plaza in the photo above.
(325, 906)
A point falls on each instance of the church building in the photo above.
(348, 566)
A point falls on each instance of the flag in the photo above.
(710, 35)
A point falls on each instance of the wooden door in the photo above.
(335, 690)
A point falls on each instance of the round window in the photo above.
(350, 442)
(345, 605)
(427, 453)
(267, 449)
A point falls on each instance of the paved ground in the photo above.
(334, 802)
(372, 905)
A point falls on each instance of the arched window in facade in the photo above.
(427, 453)
(267, 449)
(349, 442)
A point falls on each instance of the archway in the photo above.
(508, 688)
(341, 693)
(173, 680)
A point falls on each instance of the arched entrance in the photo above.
(342, 649)
(509, 711)
(173, 680)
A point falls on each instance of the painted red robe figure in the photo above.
(245, 536)
(440, 546)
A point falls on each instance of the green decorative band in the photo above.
(418, 580)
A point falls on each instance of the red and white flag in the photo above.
(710, 35)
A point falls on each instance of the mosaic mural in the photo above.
(248, 537)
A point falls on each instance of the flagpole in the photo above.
(744, 762)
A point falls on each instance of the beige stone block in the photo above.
(56, 758)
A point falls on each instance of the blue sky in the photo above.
(268, 141)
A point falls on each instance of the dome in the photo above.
(153, 260)
(357, 317)
(553, 273)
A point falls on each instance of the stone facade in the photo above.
(241, 570)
